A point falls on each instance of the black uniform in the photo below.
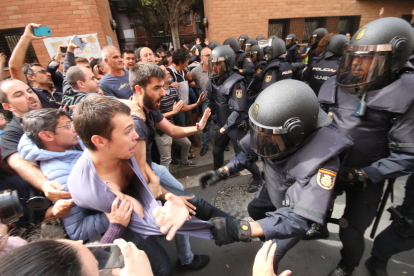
(319, 71)
(276, 70)
(244, 62)
(230, 101)
(380, 149)
(294, 54)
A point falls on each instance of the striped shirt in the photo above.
(167, 102)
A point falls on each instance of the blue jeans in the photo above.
(206, 139)
(169, 182)
(180, 119)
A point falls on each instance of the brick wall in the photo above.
(64, 17)
(232, 18)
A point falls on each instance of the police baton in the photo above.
(388, 191)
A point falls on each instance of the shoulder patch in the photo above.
(299, 51)
(239, 93)
(249, 59)
(259, 71)
(268, 78)
(326, 179)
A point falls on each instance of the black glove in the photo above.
(212, 177)
(350, 178)
(227, 230)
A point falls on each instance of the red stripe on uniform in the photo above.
(327, 172)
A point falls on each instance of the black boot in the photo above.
(342, 270)
(316, 232)
(198, 262)
(376, 267)
(255, 184)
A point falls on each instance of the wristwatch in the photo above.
(361, 176)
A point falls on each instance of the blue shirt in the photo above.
(115, 86)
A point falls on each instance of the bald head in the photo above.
(146, 55)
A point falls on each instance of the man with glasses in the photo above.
(200, 76)
(33, 73)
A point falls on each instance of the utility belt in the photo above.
(403, 225)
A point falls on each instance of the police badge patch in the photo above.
(360, 34)
(239, 93)
(326, 178)
(248, 59)
(255, 110)
(268, 78)
(259, 71)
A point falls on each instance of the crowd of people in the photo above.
(92, 142)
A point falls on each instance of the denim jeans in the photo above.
(169, 182)
(180, 119)
(206, 139)
(158, 257)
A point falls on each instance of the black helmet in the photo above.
(260, 37)
(275, 50)
(256, 53)
(213, 45)
(220, 62)
(249, 43)
(233, 43)
(242, 40)
(335, 46)
(272, 36)
(317, 35)
(290, 39)
(283, 116)
(378, 50)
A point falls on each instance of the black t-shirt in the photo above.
(47, 99)
(146, 130)
(10, 137)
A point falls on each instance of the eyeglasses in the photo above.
(43, 71)
(68, 126)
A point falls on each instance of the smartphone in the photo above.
(64, 49)
(108, 255)
(79, 42)
(42, 31)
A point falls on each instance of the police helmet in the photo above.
(317, 35)
(272, 36)
(378, 50)
(249, 43)
(276, 49)
(233, 43)
(221, 61)
(256, 53)
(213, 45)
(335, 46)
(282, 117)
(242, 40)
(290, 39)
(260, 37)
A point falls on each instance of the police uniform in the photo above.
(294, 54)
(383, 148)
(319, 71)
(276, 70)
(244, 62)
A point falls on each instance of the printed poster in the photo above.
(91, 51)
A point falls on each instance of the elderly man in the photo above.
(115, 82)
(145, 54)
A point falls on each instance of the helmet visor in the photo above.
(288, 41)
(241, 42)
(267, 145)
(247, 47)
(216, 67)
(360, 68)
(253, 54)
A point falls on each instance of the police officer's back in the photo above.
(243, 60)
(315, 38)
(294, 54)
(326, 65)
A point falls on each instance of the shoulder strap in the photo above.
(230, 82)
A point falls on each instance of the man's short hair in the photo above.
(127, 51)
(140, 74)
(164, 61)
(28, 71)
(160, 50)
(45, 119)
(180, 55)
(3, 95)
(105, 51)
(73, 75)
(93, 116)
(81, 60)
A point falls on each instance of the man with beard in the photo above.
(33, 73)
(129, 58)
(115, 82)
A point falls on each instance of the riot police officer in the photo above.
(315, 38)
(213, 45)
(371, 100)
(227, 92)
(249, 44)
(242, 41)
(259, 65)
(243, 61)
(326, 65)
(299, 152)
(277, 67)
(397, 237)
(294, 54)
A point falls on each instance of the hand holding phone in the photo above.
(42, 31)
(78, 42)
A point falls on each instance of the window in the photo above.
(349, 24)
(408, 18)
(189, 18)
(311, 24)
(8, 41)
(278, 27)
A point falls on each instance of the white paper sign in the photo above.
(91, 51)
(109, 40)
